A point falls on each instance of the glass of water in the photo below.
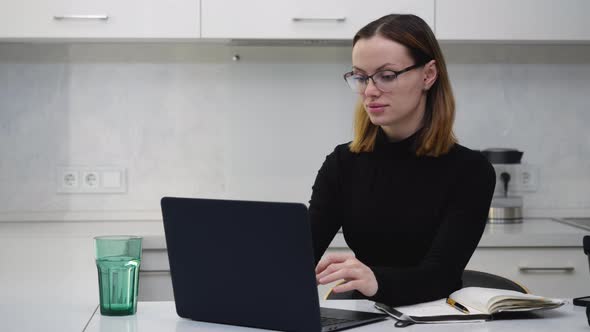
(117, 260)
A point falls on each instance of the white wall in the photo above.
(184, 119)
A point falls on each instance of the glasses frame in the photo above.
(366, 80)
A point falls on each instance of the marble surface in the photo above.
(185, 119)
(161, 317)
(534, 232)
(541, 232)
(46, 283)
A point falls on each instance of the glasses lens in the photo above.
(385, 80)
(356, 82)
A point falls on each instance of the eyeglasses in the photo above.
(384, 79)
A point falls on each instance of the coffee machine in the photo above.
(505, 208)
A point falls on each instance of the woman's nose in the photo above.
(371, 89)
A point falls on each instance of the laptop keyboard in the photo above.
(327, 321)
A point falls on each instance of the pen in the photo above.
(457, 306)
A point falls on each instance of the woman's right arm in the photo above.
(324, 206)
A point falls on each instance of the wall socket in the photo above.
(523, 177)
(97, 180)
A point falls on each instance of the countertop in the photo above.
(534, 232)
(537, 232)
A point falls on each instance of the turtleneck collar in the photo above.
(406, 146)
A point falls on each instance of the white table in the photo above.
(46, 283)
(48, 276)
(161, 317)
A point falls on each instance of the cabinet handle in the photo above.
(319, 19)
(81, 17)
(545, 269)
(153, 271)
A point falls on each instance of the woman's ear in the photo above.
(430, 74)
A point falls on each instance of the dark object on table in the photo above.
(585, 300)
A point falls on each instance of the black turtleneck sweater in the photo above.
(415, 221)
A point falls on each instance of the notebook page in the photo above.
(477, 297)
(483, 299)
(433, 308)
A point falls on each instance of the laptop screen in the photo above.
(242, 263)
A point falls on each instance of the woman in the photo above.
(411, 201)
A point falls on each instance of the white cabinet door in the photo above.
(301, 19)
(554, 272)
(155, 283)
(548, 20)
(99, 19)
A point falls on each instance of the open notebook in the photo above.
(470, 304)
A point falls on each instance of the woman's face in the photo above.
(399, 111)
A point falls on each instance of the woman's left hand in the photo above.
(345, 266)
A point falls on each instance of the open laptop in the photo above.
(249, 264)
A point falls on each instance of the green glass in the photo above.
(117, 260)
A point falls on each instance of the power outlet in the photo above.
(523, 178)
(67, 180)
(91, 180)
(501, 169)
(528, 178)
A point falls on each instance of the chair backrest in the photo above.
(483, 279)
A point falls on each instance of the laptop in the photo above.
(247, 263)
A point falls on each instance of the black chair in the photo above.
(470, 279)
(483, 279)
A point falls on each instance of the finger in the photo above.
(331, 269)
(351, 262)
(330, 259)
(346, 274)
(347, 286)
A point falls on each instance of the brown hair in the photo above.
(437, 136)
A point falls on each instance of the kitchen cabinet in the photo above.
(108, 19)
(553, 272)
(452, 20)
(302, 19)
(508, 20)
(544, 255)
(154, 275)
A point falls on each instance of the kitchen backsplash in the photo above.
(187, 120)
